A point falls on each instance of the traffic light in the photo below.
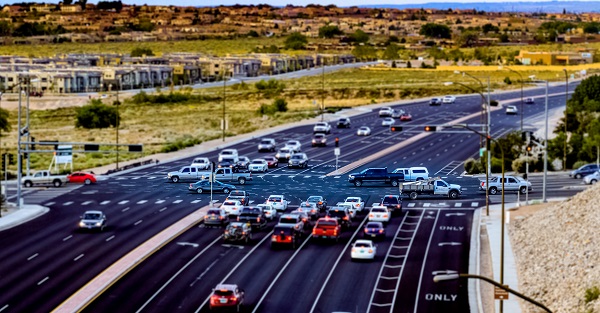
(25, 155)
(529, 148)
(396, 128)
(337, 141)
(430, 128)
(3, 161)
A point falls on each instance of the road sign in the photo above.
(500, 294)
(481, 152)
(336, 151)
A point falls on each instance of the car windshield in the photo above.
(288, 220)
(319, 136)
(284, 151)
(291, 143)
(373, 225)
(351, 200)
(226, 152)
(275, 199)
(91, 216)
(296, 157)
(326, 223)
(392, 200)
(217, 212)
(223, 292)
(363, 128)
(336, 213)
(314, 199)
(265, 142)
(257, 162)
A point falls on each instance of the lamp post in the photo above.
(500, 67)
(453, 276)
(566, 117)
(488, 139)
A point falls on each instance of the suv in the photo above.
(201, 163)
(253, 216)
(298, 160)
(319, 140)
(240, 195)
(511, 183)
(385, 111)
(93, 220)
(285, 235)
(292, 219)
(267, 144)
(284, 154)
(322, 127)
(226, 296)
(229, 154)
(343, 122)
(584, 171)
(320, 202)
(216, 216)
(237, 231)
(392, 202)
(341, 214)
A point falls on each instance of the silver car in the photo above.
(592, 178)
(93, 220)
(267, 144)
(363, 131)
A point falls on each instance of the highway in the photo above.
(46, 260)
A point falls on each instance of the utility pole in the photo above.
(27, 121)
(322, 89)
(566, 117)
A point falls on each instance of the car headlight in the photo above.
(81, 224)
(98, 223)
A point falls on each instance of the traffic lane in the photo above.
(350, 288)
(449, 251)
(305, 273)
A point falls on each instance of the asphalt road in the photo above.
(46, 260)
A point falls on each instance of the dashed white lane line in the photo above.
(68, 203)
(411, 205)
(78, 257)
(159, 201)
(4, 308)
(68, 237)
(125, 209)
(474, 204)
(162, 209)
(137, 223)
(105, 202)
(43, 280)
(196, 201)
(123, 202)
(458, 205)
(177, 201)
(86, 202)
(32, 257)
(110, 238)
(49, 203)
(142, 201)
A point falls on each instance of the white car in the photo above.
(388, 121)
(228, 154)
(201, 163)
(357, 202)
(269, 210)
(284, 153)
(363, 250)
(448, 99)
(258, 165)
(379, 214)
(363, 131)
(232, 207)
(512, 109)
(385, 111)
(348, 207)
(322, 127)
(294, 145)
(267, 144)
(278, 202)
(592, 178)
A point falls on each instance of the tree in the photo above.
(433, 30)
(364, 52)
(489, 28)
(97, 115)
(295, 41)
(391, 52)
(252, 33)
(359, 36)
(468, 39)
(6, 28)
(138, 52)
(4, 125)
(591, 28)
(329, 31)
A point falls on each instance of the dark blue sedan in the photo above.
(204, 186)
(374, 230)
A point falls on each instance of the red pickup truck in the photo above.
(327, 228)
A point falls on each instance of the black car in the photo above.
(374, 230)
(285, 235)
(343, 122)
(341, 214)
(253, 216)
(228, 163)
(204, 186)
(392, 202)
(319, 140)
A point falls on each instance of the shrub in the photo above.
(184, 142)
(280, 105)
(592, 294)
(579, 164)
(471, 166)
(507, 80)
(494, 103)
(96, 115)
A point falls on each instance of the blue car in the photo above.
(584, 171)
(374, 230)
(204, 186)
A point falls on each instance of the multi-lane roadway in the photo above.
(47, 260)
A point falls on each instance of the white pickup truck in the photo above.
(432, 186)
(42, 178)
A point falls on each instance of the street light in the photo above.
(566, 117)
(454, 276)
(500, 67)
(488, 139)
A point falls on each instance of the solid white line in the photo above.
(78, 257)
(32, 257)
(177, 274)
(110, 238)
(137, 223)
(4, 308)
(68, 237)
(343, 253)
(125, 209)
(425, 261)
(43, 280)
(162, 209)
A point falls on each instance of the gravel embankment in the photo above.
(558, 254)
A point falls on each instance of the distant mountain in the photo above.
(533, 7)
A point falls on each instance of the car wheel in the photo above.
(175, 179)
(523, 190)
(357, 183)
(577, 176)
(593, 181)
(413, 195)
(56, 183)
(395, 183)
(242, 180)
(87, 181)
(28, 183)
(493, 190)
(453, 194)
(225, 190)
(199, 190)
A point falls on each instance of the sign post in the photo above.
(336, 151)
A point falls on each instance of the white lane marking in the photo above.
(135, 177)
(32, 257)
(474, 204)
(43, 280)
(195, 245)
(123, 202)
(424, 262)
(162, 209)
(86, 202)
(4, 308)
(426, 205)
(78, 257)
(68, 237)
(125, 209)
(68, 203)
(458, 204)
(179, 272)
(455, 214)
(105, 202)
(177, 201)
(411, 205)
(49, 203)
(142, 201)
(137, 223)
(196, 201)
(441, 244)
(151, 177)
(159, 201)
(110, 238)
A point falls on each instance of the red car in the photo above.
(81, 177)
(272, 161)
(227, 296)
(406, 117)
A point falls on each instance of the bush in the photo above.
(494, 103)
(280, 105)
(186, 141)
(519, 165)
(507, 80)
(97, 115)
(579, 164)
(496, 165)
(472, 166)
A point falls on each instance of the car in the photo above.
(243, 162)
(319, 201)
(232, 207)
(258, 165)
(240, 195)
(363, 131)
(385, 111)
(511, 183)
(357, 202)
(226, 296)
(269, 210)
(374, 230)
(388, 121)
(319, 140)
(254, 216)
(448, 99)
(306, 220)
(284, 154)
(93, 220)
(309, 208)
(298, 160)
(592, 178)
(295, 145)
(397, 113)
(278, 202)
(216, 216)
(201, 163)
(405, 117)
(228, 162)
(267, 144)
(380, 213)
(203, 186)
(322, 127)
(294, 220)
(272, 161)
(512, 109)
(285, 235)
(341, 214)
(228, 153)
(363, 250)
(392, 202)
(237, 231)
(435, 101)
(343, 122)
(584, 171)
(529, 101)
(349, 207)
(81, 177)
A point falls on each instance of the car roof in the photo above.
(374, 224)
(226, 287)
(93, 212)
(363, 241)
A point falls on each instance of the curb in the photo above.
(23, 215)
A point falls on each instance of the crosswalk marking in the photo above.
(474, 204)
(411, 205)
(458, 204)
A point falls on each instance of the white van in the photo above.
(229, 154)
(201, 163)
(413, 173)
